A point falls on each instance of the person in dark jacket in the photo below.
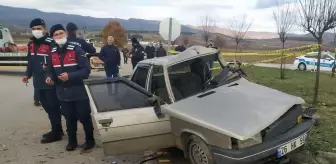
(73, 39)
(111, 56)
(125, 52)
(69, 67)
(161, 51)
(150, 51)
(180, 48)
(38, 50)
(138, 52)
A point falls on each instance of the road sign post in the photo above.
(170, 29)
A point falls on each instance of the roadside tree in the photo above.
(284, 19)
(207, 27)
(317, 16)
(114, 28)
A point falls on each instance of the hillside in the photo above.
(21, 17)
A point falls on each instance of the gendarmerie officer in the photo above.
(138, 52)
(38, 50)
(72, 38)
(68, 68)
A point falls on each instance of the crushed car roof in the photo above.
(190, 53)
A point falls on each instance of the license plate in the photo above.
(292, 145)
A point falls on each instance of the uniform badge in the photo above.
(44, 49)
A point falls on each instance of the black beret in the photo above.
(56, 27)
(37, 22)
(71, 27)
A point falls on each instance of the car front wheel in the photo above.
(302, 67)
(198, 151)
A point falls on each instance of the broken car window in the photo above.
(117, 96)
(140, 76)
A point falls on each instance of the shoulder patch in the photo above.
(54, 49)
(70, 47)
(48, 39)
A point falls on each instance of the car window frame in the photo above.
(166, 85)
(148, 74)
(126, 81)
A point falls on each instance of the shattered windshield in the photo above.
(193, 76)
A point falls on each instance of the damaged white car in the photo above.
(210, 111)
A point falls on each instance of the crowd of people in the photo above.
(58, 65)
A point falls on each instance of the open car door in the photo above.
(125, 118)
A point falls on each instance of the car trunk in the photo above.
(241, 110)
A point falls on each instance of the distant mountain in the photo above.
(22, 16)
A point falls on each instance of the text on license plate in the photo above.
(292, 145)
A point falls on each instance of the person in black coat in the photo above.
(160, 52)
(67, 69)
(110, 54)
(180, 48)
(150, 51)
(138, 52)
(73, 39)
(38, 51)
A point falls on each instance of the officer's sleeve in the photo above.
(87, 47)
(83, 71)
(29, 71)
(50, 71)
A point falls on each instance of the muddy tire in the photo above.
(302, 67)
(198, 151)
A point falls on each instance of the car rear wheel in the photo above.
(302, 67)
(198, 151)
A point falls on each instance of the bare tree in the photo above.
(207, 27)
(243, 45)
(284, 19)
(219, 42)
(318, 16)
(238, 30)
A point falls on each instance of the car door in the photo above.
(125, 119)
(326, 62)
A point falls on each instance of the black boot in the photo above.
(49, 133)
(89, 144)
(37, 103)
(52, 137)
(71, 146)
(72, 142)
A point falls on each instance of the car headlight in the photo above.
(256, 139)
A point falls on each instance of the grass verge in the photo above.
(323, 137)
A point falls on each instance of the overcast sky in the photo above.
(185, 11)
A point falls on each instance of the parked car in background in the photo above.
(217, 117)
(309, 62)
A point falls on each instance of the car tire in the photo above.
(198, 151)
(302, 67)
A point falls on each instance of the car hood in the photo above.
(240, 109)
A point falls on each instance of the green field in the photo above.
(323, 137)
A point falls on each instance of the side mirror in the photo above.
(328, 59)
(156, 102)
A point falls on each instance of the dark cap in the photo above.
(37, 22)
(71, 27)
(56, 27)
(134, 40)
